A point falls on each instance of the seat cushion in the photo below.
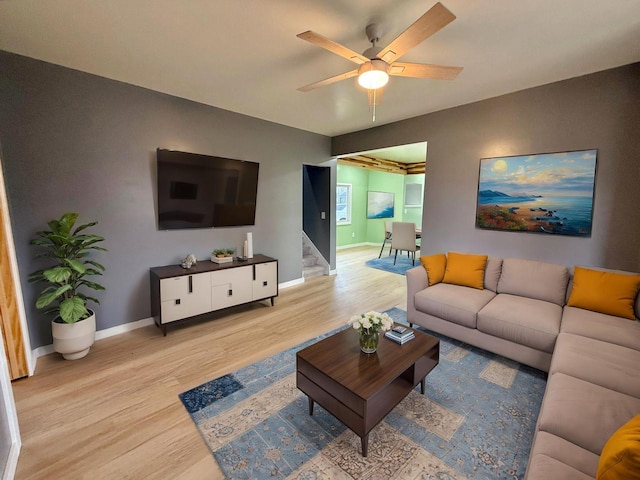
(453, 303)
(605, 364)
(539, 280)
(559, 449)
(522, 320)
(544, 467)
(601, 327)
(584, 413)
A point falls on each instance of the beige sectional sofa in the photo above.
(593, 359)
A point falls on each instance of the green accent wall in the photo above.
(363, 230)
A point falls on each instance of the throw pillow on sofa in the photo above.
(465, 269)
(435, 266)
(620, 457)
(604, 292)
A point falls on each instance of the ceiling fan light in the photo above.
(373, 75)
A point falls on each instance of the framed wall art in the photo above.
(380, 205)
(546, 193)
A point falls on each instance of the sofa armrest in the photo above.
(417, 280)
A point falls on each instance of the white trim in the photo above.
(9, 410)
(333, 272)
(127, 327)
(291, 283)
(31, 366)
(353, 245)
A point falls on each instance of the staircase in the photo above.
(313, 264)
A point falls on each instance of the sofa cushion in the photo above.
(565, 452)
(584, 413)
(492, 273)
(605, 364)
(435, 266)
(620, 458)
(544, 467)
(526, 321)
(453, 303)
(465, 269)
(601, 327)
(604, 292)
(539, 280)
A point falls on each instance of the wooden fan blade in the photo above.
(329, 81)
(333, 47)
(436, 18)
(423, 70)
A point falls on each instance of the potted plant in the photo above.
(222, 255)
(74, 325)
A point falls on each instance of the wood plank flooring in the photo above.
(116, 413)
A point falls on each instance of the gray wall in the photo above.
(600, 110)
(77, 142)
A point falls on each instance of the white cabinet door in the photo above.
(265, 284)
(231, 287)
(185, 296)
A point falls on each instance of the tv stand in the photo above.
(180, 293)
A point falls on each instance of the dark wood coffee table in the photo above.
(360, 389)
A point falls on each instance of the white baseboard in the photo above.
(127, 327)
(291, 283)
(363, 244)
(12, 461)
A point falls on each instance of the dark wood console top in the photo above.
(170, 271)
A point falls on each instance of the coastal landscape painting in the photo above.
(545, 193)
(380, 205)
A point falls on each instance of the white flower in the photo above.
(371, 321)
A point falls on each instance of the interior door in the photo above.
(9, 314)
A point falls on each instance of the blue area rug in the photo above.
(386, 263)
(476, 421)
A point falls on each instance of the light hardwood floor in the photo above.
(116, 413)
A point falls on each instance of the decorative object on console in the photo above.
(74, 325)
(368, 326)
(222, 255)
(553, 193)
(249, 252)
(189, 261)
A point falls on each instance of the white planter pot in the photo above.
(73, 340)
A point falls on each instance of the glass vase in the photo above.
(368, 341)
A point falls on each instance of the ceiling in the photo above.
(244, 56)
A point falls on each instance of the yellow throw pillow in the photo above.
(465, 269)
(435, 265)
(620, 457)
(604, 292)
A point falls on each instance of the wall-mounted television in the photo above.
(203, 191)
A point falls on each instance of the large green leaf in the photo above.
(57, 274)
(72, 309)
(82, 227)
(47, 296)
(75, 264)
(93, 285)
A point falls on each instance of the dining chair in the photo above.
(387, 236)
(404, 239)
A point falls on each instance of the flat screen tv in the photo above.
(202, 191)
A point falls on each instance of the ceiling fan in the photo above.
(377, 64)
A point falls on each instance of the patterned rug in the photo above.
(476, 421)
(386, 263)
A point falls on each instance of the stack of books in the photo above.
(400, 334)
